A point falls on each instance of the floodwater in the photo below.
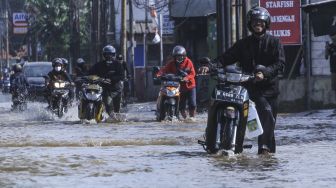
(40, 150)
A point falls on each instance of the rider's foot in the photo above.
(264, 150)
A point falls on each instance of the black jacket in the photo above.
(113, 71)
(251, 51)
(18, 81)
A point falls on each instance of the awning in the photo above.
(323, 17)
(140, 27)
(192, 8)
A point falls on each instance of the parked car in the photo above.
(35, 73)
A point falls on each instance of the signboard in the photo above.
(285, 20)
(20, 23)
(167, 26)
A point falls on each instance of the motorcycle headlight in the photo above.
(171, 93)
(233, 77)
(92, 96)
(59, 84)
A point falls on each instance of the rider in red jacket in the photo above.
(181, 65)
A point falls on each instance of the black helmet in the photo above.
(57, 61)
(65, 61)
(258, 13)
(204, 61)
(17, 68)
(109, 53)
(179, 53)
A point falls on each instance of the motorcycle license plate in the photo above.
(228, 96)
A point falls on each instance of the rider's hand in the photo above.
(259, 76)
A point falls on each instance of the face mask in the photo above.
(58, 68)
(109, 62)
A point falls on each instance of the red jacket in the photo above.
(186, 66)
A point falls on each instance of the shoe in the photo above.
(264, 150)
(183, 114)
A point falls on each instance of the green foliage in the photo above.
(51, 25)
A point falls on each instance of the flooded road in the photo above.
(40, 150)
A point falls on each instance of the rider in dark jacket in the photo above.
(18, 82)
(58, 73)
(260, 48)
(112, 70)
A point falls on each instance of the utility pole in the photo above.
(123, 29)
(131, 48)
(7, 36)
(145, 41)
(308, 59)
(161, 39)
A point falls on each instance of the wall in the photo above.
(292, 94)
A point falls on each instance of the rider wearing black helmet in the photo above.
(260, 48)
(80, 68)
(58, 73)
(112, 70)
(18, 80)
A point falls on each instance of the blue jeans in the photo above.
(189, 96)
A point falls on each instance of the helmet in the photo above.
(109, 53)
(57, 64)
(80, 61)
(17, 68)
(258, 13)
(204, 61)
(179, 53)
(65, 61)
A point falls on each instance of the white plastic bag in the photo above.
(253, 126)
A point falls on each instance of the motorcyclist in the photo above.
(112, 70)
(204, 64)
(181, 65)
(65, 64)
(80, 68)
(260, 48)
(58, 73)
(18, 82)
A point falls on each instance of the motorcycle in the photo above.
(91, 104)
(167, 106)
(19, 99)
(60, 97)
(228, 112)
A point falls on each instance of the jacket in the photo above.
(187, 67)
(18, 81)
(113, 71)
(251, 51)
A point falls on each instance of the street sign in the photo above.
(20, 23)
(285, 20)
(167, 26)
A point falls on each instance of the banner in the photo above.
(285, 20)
